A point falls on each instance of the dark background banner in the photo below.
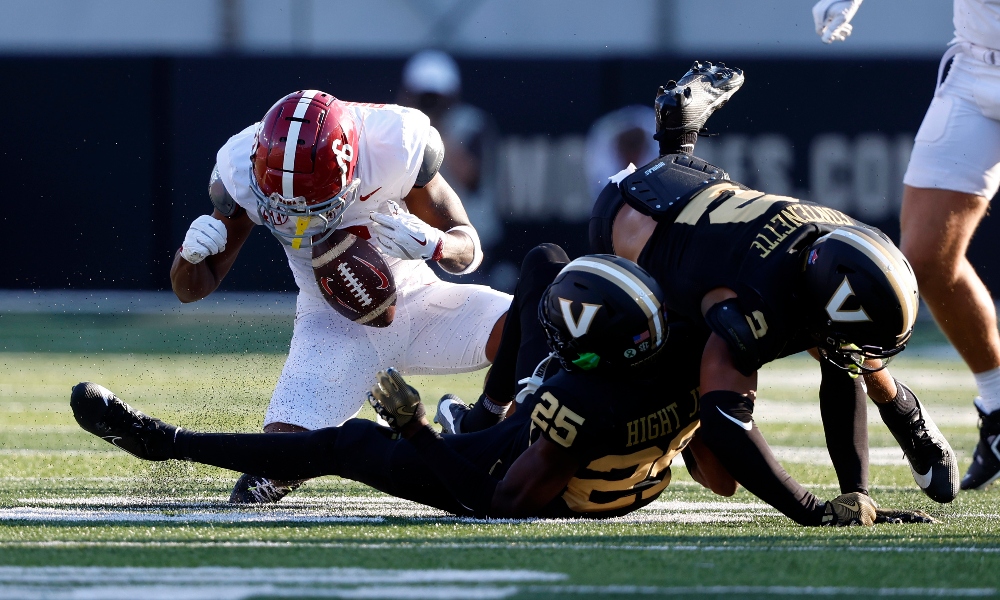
(107, 159)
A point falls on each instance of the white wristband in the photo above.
(477, 248)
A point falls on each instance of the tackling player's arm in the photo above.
(705, 468)
(535, 479)
(728, 389)
(193, 281)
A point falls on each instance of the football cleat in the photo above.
(251, 489)
(105, 415)
(985, 467)
(684, 106)
(450, 412)
(932, 461)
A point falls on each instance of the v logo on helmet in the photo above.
(578, 328)
(836, 303)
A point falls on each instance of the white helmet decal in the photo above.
(836, 303)
(578, 328)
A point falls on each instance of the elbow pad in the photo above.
(433, 159)
(221, 199)
(728, 320)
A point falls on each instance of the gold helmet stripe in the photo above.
(630, 284)
(895, 268)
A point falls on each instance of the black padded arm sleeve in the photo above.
(728, 320)
(471, 487)
(433, 159)
(744, 453)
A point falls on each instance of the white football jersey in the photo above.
(978, 22)
(390, 151)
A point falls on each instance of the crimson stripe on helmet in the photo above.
(899, 275)
(630, 284)
(291, 141)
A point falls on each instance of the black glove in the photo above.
(394, 400)
(850, 509)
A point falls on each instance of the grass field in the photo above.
(79, 519)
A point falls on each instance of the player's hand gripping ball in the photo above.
(354, 279)
(395, 400)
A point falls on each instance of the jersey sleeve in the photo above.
(769, 291)
(571, 418)
(233, 163)
(392, 147)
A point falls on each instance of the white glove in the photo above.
(405, 236)
(205, 237)
(833, 19)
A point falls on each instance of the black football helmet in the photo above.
(603, 311)
(863, 297)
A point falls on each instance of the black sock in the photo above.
(677, 141)
(843, 406)
(902, 405)
(479, 418)
(280, 456)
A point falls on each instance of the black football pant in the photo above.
(359, 450)
(523, 344)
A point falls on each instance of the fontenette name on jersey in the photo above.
(790, 218)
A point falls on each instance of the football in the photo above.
(354, 279)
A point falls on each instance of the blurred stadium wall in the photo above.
(114, 109)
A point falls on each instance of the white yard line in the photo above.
(794, 454)
(740, 591)
(512, 545)
(233, 583)
(767, 411)
(62, 515)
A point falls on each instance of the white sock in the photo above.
(988, 383)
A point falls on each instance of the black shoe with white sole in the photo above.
(450, 412)
(105, 415)
(683, 107)
(932, 461)
(985, 467)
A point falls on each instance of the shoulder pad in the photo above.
(220, 197)
(602, 218)
(433, 158)
(661, 188)
(728, 320)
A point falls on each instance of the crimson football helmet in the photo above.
(863, 298)
(305, 191)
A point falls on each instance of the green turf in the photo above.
(163, 368)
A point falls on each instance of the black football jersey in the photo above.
(625, 431)
(750, 242)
